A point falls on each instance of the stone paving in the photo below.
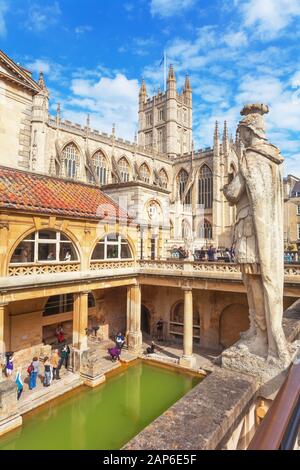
(170, 352)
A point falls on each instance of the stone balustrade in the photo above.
(43, 268)
(217, 270)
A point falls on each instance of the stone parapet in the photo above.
(204, 418)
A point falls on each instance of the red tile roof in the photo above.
(26, 191)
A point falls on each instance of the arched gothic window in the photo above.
(145, 173)
(71, 159)
(47, 246)
(112, 246)
(182, 182)
(163, 178)
(186, 230)
(205, 187)
(100, 165)
(205, 230)
(124, 169)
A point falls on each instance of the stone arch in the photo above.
(205, 186)
(77, 162)
(32, 231)
(163, 177)
(176, 320)
(120, 160)
(99, 151)
(233, 320)
(142, 167)
(129, 240)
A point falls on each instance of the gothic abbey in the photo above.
(160, 178)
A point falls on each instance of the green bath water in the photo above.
(105, 417)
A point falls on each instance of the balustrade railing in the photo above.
(42, 268)
(217, 269)
(112, 265)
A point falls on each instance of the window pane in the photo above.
(112, 237)
(98, 252)
(31, 236)
(46, 252)
(47, 235)
(112, 251)
(67, 252)
(24, 253)
(63, 237)
(125, 251)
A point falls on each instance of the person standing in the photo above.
(19, 383)
(55, 364)
(64, 356)
(34, 370)
(160, 326)
(47, 372)
(120, 340)
(9, 366)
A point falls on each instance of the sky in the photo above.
(95, 52)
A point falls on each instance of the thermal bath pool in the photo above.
(105, 417)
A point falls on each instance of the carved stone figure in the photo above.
(257, 192)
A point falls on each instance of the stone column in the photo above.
(188, 360)
(134, 335)
(3, 326)
(80, 321)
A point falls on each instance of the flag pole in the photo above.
(165, 71)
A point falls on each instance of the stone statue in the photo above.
(257, 192)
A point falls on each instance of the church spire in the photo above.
(216, 140)
(171, 76)
(143, 89)
(41, 82)
(187, 84)
(225, 139)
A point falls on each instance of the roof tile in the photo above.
(45, 194)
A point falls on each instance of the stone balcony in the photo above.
(28, 274)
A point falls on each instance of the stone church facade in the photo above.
(172, 191)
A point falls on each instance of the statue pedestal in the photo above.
(269, 373)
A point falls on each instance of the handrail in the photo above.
(279, 428)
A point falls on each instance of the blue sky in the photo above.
(94, 53)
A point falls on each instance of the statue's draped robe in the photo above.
(260, 173)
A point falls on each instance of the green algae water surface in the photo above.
(105, 417)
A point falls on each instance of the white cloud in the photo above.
(41, 16)
(269, 17)
(83, 29)
(52, 70)
(236, 39)
(3, 10)
(167, 8)
(109, 100)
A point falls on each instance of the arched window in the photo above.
(177, 322)
(205, 188)
(45, 245)
(182, 182)
(100, 165)
(185, 230)
(171, 229)
(124, 169)
(205, 230)
(163, 178)
(112, 246)
(145, 173)
(71, 159)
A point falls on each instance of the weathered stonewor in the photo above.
(9, 416)
(257, 192)
(91, 368)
